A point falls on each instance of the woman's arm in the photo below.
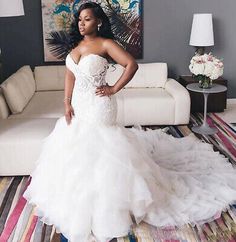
(69, 85)
(124, 58)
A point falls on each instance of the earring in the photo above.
(99, 25)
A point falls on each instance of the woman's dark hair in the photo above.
(104, 31)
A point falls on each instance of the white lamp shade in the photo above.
(202, 30)
(11, 8)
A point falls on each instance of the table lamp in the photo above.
(11, 8)
(202, 32)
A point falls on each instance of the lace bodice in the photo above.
(89, 74)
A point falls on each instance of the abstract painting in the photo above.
(125, 17)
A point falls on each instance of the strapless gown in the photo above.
(97, 178)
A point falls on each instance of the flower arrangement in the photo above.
(206, 68)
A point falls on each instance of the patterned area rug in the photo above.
(18, 222)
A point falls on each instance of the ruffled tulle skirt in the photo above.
(92, 178)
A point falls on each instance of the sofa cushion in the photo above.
(19, 88)
(48, 78)
(21, 141)
(149, 75)
(148, 106)
(44, 104)
(120, 107)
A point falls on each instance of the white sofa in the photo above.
(31, 103)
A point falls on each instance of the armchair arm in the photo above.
(182, 100)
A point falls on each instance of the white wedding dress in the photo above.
(93, 176)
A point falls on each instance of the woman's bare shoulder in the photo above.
(108, 41)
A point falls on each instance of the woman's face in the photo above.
(88, 23)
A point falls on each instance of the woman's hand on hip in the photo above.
(69, 111)
(105, 90)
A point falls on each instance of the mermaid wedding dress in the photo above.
(95, 177)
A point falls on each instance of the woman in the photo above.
(94, 177)
(87, 39)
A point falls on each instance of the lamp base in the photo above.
(203, 129)
(200, 50)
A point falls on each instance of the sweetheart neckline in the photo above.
(83, 57)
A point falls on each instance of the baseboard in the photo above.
(231, 100)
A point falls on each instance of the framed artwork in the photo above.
(125, 17)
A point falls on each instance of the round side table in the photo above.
(205, 128)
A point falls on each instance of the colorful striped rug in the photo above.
(19, 224)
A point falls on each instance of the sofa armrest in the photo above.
(18, 89)
(4, 109)
(182, 100)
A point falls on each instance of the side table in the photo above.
(217, 102)
(216, 88)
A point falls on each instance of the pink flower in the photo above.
(210, 58)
